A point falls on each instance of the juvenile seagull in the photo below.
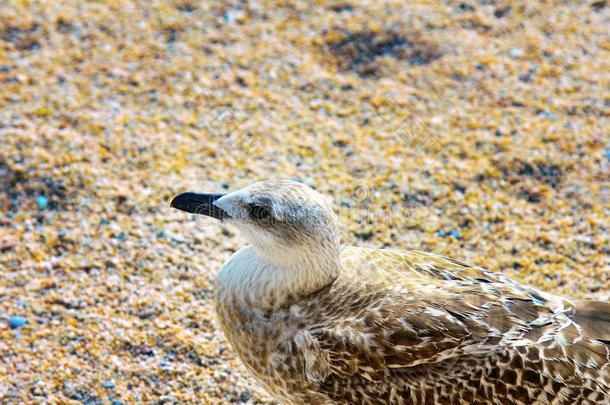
(320, 323)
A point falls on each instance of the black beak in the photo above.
(199, 203)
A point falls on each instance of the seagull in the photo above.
(316, 322)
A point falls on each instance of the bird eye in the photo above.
(259, 212)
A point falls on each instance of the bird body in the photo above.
(401, 327)
(317, 323)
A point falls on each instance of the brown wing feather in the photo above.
(594, 318)
(434, 319)
(427, 307)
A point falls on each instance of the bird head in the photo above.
(280, 218)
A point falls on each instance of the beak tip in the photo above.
(177, 201)
(173, 204)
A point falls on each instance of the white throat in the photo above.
(272, 282)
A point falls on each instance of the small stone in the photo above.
(455, 234)
(17, 322)
(109, 384)
(546, 114)
(230, 17)
(147, 350)
(42, 201)
(516, 53)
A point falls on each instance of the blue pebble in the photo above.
(42, 201)
(441, 233)
(21, 304)
(116, 402)
(108, 384)
(17, 322)
(104, 221)
(165, 365)
(608, 155)
(547, 114)
(455, 234)
(298, 180)
(229, 17)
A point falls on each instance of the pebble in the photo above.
(109, 384)
(42, 201)
(547, 114)
(454, 234)
(230, 17)
(17, 322)
(516, 53)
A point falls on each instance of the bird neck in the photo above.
(272, 279)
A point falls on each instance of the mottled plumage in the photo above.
(319, 324)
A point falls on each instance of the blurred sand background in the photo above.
(478, 130)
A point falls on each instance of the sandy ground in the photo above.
(474, 130)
